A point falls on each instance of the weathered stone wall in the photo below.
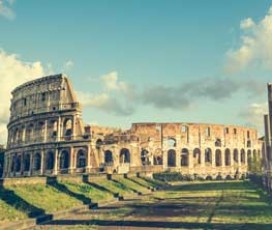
(46, 136)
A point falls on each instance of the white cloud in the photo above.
(247, 23)
(111, 82)
(254, 115)
(13, 72)
(255, 47)
(6, 9)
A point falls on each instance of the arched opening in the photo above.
(218, 157)
(184, 157)
(227, 157)
(37, 161)
(235, 156)
(208, 156)
(254, 155)
(171, 155)
(67, 128)
(29, 132)
(49, 160)
(40, 130)
(27, 162)
(124, 156)
(197, 156)
(171, 142)
(64, 160)
(108, 157)
(243, 156)
(81, 159)
(98, 144)
(144, 157)
(249, 157)
(157, 158)
(18, 163)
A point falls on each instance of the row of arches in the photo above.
(23, 162)
(208, 157)
(37, 131)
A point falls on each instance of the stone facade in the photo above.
(46, 136)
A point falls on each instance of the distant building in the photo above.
(46, 136)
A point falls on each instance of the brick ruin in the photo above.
(46, 136)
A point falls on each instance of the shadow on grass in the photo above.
(161, 224)
(12, 199)
(99, 187)
(53, 182)
(125, 187)
(137, 182)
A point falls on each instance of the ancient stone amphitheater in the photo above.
(46, 136)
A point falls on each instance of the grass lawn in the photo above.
(188, 205)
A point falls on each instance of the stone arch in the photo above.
(254, 154)
(144, 157)
(249, 156)
(218, 158)
(124, 156)
(208, 156)
(27, 162)
(40, 128)
(157, 158)
(171, 158)
(184, 157)
(227, 157)
(49, 160)
(235, 156)
(243, 156)
(108, 158)
(37, 161)
(67, 127)
(18, 164)
(64, 159)
(197, 156)
(29, 132)
(171, 142)
(81, 159)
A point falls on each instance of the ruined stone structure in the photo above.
(46, 136)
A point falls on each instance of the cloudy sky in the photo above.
(143, 60)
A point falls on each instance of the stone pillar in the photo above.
(42, 162)
(165, 159)
(31, 164)
(88, 165)
(202, 157)
(45, 130)
(213, 158)
(56, 162)
(223, 157)
(59, 130)
(71, 168)
(178, 158)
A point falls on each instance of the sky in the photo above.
(143, 60)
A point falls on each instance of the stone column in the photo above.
(45, 130)
(59, 129)
(31, 164)
(71, 165)
(165, 159)
(202, 157)
(42, 162)
(56, 162)
(88, 165)
(223, 157)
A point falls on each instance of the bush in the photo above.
(168, 176)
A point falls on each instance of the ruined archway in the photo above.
(243, 156)
(37, 162)
(227, 157)
(49, 160)
(197, 156)
(27, 162)
(218, 158)
(235, 156)
(81, 159)
(124, 156)
(208, 156)
(184, 157)
(64, 160)
(171, 158)
(108, 158)
(144, 157)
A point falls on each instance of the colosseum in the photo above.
(46, 136)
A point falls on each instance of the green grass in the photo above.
(87, 190)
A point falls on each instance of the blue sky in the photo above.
(134, 61)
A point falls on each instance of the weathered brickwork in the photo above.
(46, 136)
